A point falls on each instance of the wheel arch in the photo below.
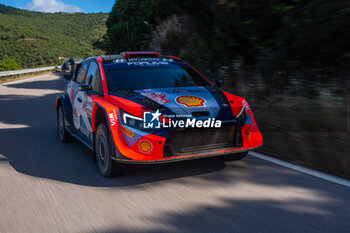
(63, 100)
(58, 102)
(99, 115)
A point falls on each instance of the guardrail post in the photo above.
(17, 73)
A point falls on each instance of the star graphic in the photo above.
(156, 115)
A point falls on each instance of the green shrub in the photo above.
(9, 64)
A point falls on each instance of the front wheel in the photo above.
(235, 156)
(106, 165)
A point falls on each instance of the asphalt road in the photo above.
(47, 186)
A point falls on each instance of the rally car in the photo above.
(140, 107)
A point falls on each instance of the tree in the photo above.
(264, 34)
(131, 22)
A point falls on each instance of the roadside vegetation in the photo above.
(9, 64)
(289, 58)
(33, 39)
(211, 34)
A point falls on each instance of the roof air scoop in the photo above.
(139, 54)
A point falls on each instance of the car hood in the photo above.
(199, 102)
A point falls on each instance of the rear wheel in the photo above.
(63, 134)
(235, 156)
(106, 165)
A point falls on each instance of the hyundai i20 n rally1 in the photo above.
(140, 107)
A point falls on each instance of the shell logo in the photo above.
(145, 146)
(190, 101)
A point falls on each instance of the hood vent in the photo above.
(219, 95)
(128, 93)
(200, 114)
(150, 103)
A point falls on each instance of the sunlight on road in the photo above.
(12, 126)
(28, 88)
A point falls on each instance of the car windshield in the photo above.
(152, 77)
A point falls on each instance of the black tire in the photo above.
(63, 135)
(106, 165)
(235, 156)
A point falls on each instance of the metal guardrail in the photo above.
(26, 71)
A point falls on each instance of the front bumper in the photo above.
(178, 158)
(129, 145)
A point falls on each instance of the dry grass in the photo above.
(24, 76)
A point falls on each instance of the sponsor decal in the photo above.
(72, 93)
(76, 120)
(190, 101)
(127, 132)
(87, 106)
(245, 105)
(119, 60)
(113, 118)
(157, 97)
(139, 59)
(147, 63)
(185, 91)
(152, 120)
(86, 132)
(145, 146)
(248, 132)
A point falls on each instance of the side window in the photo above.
(91, 72)
(79, 78)
(97, 83)
(93, 78)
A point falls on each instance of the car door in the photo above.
(77, 97)
(93, 79)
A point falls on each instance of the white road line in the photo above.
(25, 71)
(308, 171)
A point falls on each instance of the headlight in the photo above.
(242, 116)
(131, 120)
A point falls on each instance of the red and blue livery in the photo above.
(140, 107)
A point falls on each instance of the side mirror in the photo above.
(85, 87)
(219, 82)
(65, 67)
(67, 77)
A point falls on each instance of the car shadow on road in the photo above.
(29, 142)
(245, 215)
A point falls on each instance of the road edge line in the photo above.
(318, 174)
(23, 79)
